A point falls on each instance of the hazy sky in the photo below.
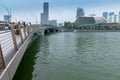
(62, 10)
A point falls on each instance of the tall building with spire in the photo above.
(45, 14)
(80, 12)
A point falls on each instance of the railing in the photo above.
(11, 41)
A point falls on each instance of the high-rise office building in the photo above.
(119, 17)
(111, 13)
(60, 24)
(53, 22)
(7, 18)
(46, 7)
(115, 18)
(80, 13)
(105, 15)
(111, 17)
(45, 14)
(43, 19)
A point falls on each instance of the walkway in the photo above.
(13, 44)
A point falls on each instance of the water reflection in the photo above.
(25, 69)
(78, 56)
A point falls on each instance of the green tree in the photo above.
(106, 27)
(69, 25)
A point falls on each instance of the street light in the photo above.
(9, 12)
(5, 7)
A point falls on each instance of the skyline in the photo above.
(21, 10)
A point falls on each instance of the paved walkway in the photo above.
(7, 45)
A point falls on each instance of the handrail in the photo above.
(9, 41)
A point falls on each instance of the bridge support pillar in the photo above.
(54, 30)
(42, 32)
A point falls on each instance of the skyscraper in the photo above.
(45, 14)
(53, 22)
(105, 15)
(7, 18)
(46, 7)
(111, 13)
(115, 18)
(119, 17)
(111, 17)
(80, 12)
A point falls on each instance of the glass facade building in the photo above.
(105, 15)
(45, 14)
(80, 12)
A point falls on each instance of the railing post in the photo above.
(2, 62)
(14, 38)
(31, 29)
(24, 30)
(28, 30)
(19, 27)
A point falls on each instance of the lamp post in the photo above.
(9, 12)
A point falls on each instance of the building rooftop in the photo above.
(89, 20)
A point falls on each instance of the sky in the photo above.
(60, 10)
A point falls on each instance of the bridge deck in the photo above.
(12, 48)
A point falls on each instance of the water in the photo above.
(72, 56)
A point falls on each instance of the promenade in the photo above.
(8, 46)
(11, 41)
(13, 44)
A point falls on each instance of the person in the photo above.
(24, 24)
(13, 25)
(30, 23)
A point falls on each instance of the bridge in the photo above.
(13, 44)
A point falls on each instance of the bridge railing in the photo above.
(11, 41)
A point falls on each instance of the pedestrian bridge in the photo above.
(13, 44)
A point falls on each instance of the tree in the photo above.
(106, 27)
(69, 25)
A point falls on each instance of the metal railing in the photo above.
(11, 41)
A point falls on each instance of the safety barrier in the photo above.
(11, 41)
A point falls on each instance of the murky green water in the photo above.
(72, 56)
